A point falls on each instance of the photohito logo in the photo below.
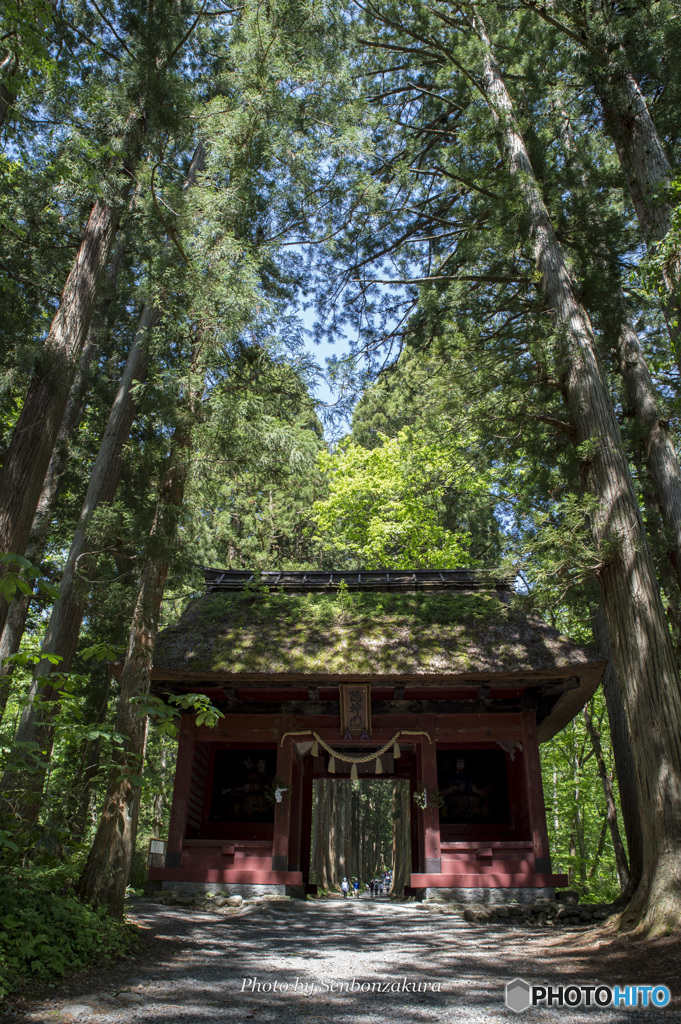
(520, 995)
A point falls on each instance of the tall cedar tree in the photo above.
(63, 629)
(151, 37)
(609, 38)
(642, 648)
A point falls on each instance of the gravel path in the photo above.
(212, 966)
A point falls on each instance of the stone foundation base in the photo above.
(494, 897)
(230, 889)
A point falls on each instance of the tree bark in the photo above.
(15, 624)
(641, 155)
(67, 613)
(610, 805)
(658, 449)
(648, 176)
(644, 163)
(8, 69)
(642, 398)
(63, 629)
(319, 828)
(30, 449)
(50, 489)
(642, 647)
(105, 877)
(623, 754)
(647, 173)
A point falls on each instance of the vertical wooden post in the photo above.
(181, 790)
(535, 793)
(294, 831)
(306, 819)
(282, 811)
(432, 853)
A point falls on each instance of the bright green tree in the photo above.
(385, 508)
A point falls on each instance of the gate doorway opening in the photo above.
(361, 829)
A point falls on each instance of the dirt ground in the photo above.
(194, 968)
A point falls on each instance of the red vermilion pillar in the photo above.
(306, 819)
(432, 853)
(181, 790)
(296, 801)
(535, 793)
(282, 811)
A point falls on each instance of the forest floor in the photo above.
(278, 962)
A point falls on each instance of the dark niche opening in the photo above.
(242, 786)
(474, 787)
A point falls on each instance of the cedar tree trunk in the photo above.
(622, 752)
(105, 877)
(67, 614)
(30, 449)
(643, 654)
(610, 805)
(641, 395)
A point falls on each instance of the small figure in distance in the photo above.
(371, 887)
(356, 887)
(345, 888)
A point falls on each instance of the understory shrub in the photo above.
(45, 930)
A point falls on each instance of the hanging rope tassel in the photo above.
(379, 766)
(396, 750)
(315, 749)
(353, 773)
(332, 764)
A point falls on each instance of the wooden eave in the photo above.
(567, 689)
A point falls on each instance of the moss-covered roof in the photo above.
(364, 634)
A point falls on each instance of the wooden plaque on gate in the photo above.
(355, 708)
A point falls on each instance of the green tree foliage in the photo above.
(386, 505)
(351, 159)
(576, 813)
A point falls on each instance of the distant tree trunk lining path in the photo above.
(642, 647)
(106, 873)
(578, 821)
(160, 800)
(359, 829)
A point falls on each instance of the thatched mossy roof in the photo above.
(443, 633)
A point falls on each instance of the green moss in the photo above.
(362, 633)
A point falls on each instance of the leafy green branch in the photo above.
(23, 576)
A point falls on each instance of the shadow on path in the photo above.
(317, 961)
